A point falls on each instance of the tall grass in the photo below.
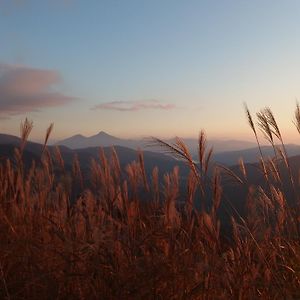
(112, 244)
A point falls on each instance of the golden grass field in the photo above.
(110, 244)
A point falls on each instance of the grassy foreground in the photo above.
(110, 244)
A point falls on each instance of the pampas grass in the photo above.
(112, 244)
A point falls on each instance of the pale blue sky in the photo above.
(178, 66)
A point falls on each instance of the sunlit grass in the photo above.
(112, 244)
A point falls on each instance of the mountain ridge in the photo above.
(226, 157)
(103, 139)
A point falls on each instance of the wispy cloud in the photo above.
(134, 105)
(25, 89)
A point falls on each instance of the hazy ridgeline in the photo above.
(128, 237)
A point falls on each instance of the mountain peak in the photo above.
(78, 136)
(102, 133)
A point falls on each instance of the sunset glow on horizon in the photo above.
(148, 68)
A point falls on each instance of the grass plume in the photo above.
(112, 244)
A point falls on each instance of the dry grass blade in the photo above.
(296, 120)
(116, 165)
(204, 156)
(48, 133)
(217, 190)
(59, 158)
(272, 122)
(231, 174)
(202, 148)
(242, 168)
(268, 135)
(264, 126)
(273, 169)
(143, 171)
(250, 120)
(207, 160)
(275, 130)
(264, 169)
(76, 169)
(180, 151)
(283, 156)
(167, 147)
(155, 186)
(25, 129)
(270, 119)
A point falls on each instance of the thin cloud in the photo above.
(24, 89)
(134, 105)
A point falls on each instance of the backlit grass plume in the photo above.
(122, 232)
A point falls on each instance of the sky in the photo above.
(140, 68)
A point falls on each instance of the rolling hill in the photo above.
(103, 139)
(251, 155)
(33, 151)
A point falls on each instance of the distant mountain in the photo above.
(35, 148)
(218, 145)
(33, 151)
(251, 155)
(9, 139)
(225, 152)
(103, 139)
(230, 145)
